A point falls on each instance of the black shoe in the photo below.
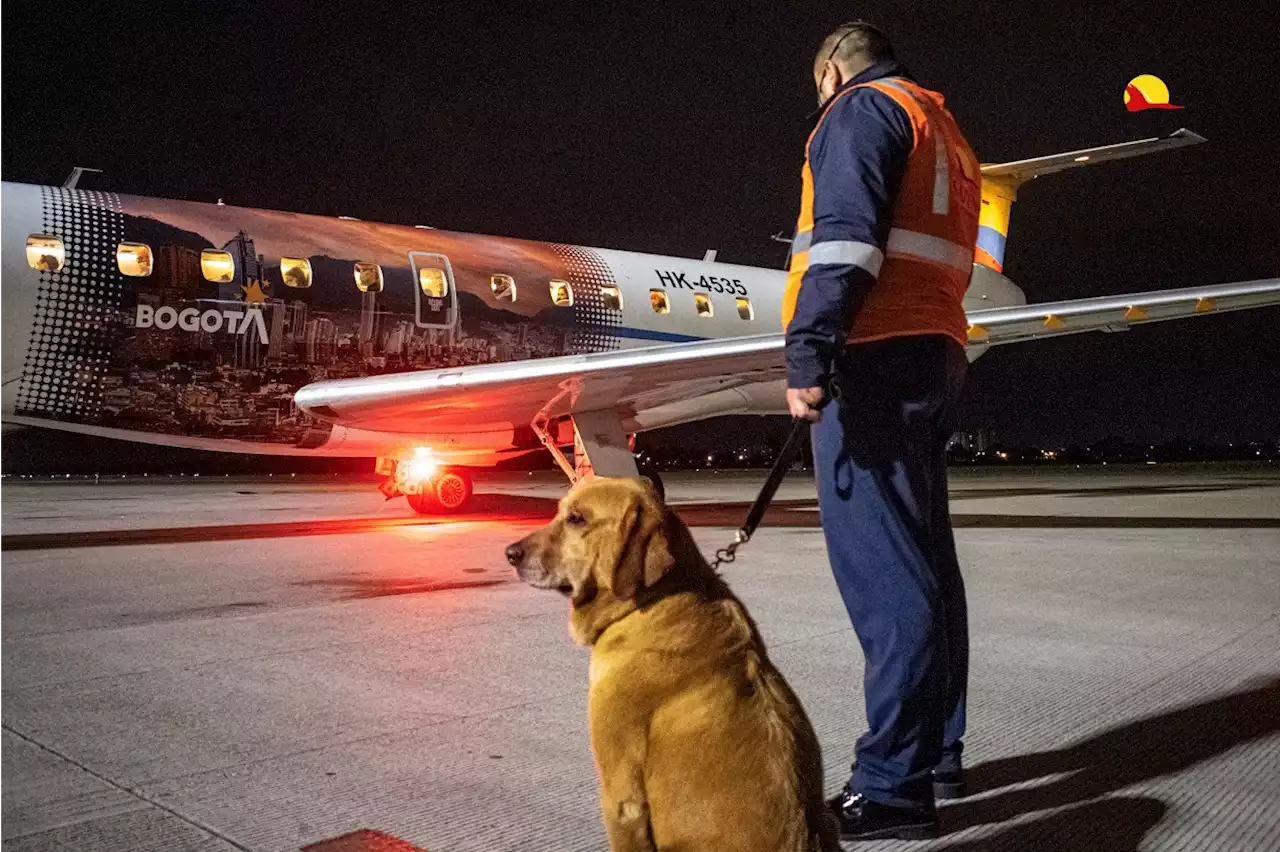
(946, 785)
(949, 785)
(859, 818)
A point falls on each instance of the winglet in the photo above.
(73, 179)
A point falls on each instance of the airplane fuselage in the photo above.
(193, 325)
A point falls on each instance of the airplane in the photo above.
(217, 327)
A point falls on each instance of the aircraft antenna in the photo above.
(74, 177)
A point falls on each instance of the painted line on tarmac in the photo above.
(491, 508)
(784, 513)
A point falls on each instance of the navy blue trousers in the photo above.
(880, 457)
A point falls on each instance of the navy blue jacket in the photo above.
(858, 157)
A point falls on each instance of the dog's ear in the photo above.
(650, 487)
(645, 554)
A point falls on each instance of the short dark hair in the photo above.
(855, 40)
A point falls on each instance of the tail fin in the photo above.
(1000, 182)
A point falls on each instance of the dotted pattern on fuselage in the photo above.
(72, 338)
(595, 325)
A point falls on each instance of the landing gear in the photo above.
(422, 504)
(599, 446)
(447, 492)
(451, 489)
(430, 489)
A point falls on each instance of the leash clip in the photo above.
(727, 554)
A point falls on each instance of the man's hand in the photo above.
(803, 403)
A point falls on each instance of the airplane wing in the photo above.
(1116, 313)
(476, 398)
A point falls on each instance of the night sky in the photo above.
(682, 131)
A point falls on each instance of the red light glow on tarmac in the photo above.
(433, 530)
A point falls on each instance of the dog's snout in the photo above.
(515, 553)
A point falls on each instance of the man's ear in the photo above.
(645, 554)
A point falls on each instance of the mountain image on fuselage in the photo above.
(186, 356)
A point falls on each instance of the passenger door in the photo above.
(435, 297)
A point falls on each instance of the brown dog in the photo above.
(699, 742)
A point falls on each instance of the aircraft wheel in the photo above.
(451, 490)
(423, 504)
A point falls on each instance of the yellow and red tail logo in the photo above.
(1147, 91)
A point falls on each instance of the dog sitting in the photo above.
(699, 742)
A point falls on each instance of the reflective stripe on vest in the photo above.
(941, 177)
(941, 171)
(918, 246)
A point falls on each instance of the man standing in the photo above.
(879, 267)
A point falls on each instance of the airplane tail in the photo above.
(1000, 182)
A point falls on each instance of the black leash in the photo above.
(780, 467)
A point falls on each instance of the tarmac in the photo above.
(277, 664)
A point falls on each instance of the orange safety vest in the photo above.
(925, 265)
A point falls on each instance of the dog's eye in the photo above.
(575, 519)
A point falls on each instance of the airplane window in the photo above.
(612, 298)
(296, 272)
(744, 309)
(368, 277)
(561, 293)
(702, 302)
(217, 266)
(658, 301)
(45, 253)
(504, 287)
(134, 259)
(433, 282)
